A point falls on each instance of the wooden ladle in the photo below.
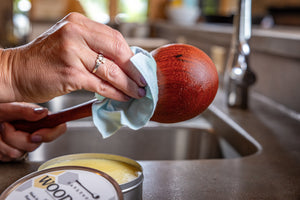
(187, 83)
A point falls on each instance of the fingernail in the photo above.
(36, 138)
(143, 81)
(141, 92)
(39, 110)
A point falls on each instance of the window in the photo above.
(96, 10)
(133, 10)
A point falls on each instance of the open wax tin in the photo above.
(126, 172)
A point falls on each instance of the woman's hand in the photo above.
(14, 144)
(62, 59)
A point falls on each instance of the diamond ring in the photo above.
(100, 60)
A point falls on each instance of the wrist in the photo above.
(7, 93)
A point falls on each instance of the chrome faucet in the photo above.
(238, 75)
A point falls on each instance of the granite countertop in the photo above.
(272, 173)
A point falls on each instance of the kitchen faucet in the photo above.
(238, 75)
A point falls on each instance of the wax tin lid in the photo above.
(65, 183)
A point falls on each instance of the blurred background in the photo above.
(22, 20)
(206, 24)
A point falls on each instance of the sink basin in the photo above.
(209, 136)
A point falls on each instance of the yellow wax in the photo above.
(120, 171)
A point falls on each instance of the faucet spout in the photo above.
(238, 76)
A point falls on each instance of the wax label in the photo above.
(65, 185)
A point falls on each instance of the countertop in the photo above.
(271, 173)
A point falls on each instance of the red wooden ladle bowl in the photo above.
(187, 83)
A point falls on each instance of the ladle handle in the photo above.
(52, 120)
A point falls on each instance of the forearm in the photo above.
(7, 93)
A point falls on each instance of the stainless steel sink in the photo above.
(208, 136)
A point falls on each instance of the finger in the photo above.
(48, 135)
(26, 111)
(90, 82)
(80, 77)
(4, 158)
(109, 42)
(110, 72)
(116, 49)
(17, 139)
(8, 153)
(83, 77)
(102, 32)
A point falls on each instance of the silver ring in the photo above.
(100, 60)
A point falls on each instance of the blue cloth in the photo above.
(110, 115)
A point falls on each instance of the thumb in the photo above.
(24, 111)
